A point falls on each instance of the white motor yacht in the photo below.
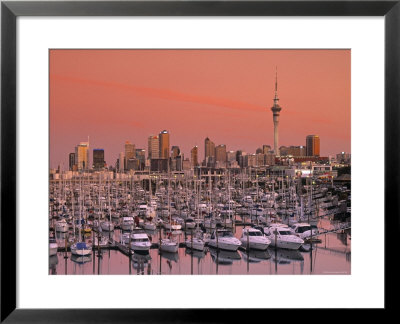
(282, 236)
(140, 242)
(62, 226)
(304, 230)
(150, 226)
(255, 239)
(224, 239)
(81, 248)
(53, 247)
(127, 223)
(107, 226)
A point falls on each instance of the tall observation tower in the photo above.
(275, 113)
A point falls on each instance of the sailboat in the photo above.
(81, 248)
(168, 244)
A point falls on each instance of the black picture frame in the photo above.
(10, 10)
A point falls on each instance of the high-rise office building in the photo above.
(71, 161)
(141, 157)
(175, 151)
(164, 144)
(82, 156)
(275, 116)
(313, 145)
(129, 152)
(194, 154)
(98, 159)
(266, 148)
(220, 153)
(153, 147)
(121, 160)
(209, 149)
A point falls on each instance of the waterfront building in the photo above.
(153, 147)
(164, 145)
(270, 159)
(275, 116)
(160, 165)
(266, 149)
(82, 156)
(312, 145)
(194, 156)
(98, 159)
(72, 162)
(343, 157)
(250, 160)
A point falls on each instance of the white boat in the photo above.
(53, 247)
(196, 243)
(127, 223)
(62, 226)
(150, 226)
(255, 239)
(305, 230)
(81, 248)
(107, 226)
(190, 223)
(169, 245)
(140, 242)
(282, 236)
(172, 226)
(224, 239)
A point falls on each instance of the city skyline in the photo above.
(127, 101)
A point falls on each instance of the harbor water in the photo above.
(330, 255)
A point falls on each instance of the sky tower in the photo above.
(275, 113)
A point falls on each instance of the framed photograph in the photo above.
(196, 149)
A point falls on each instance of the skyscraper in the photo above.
(209, 148)
(220, 153)
(82, 156)
(71, 161)
(121, 162)
(175, 151)
(275, 115)
(153, 147)
(164, 144)
(129, 152)
(312, 145)
(98, 159)
(141, 157)
(194, 154)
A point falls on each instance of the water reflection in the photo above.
(255, 256)
(81, 259)
(331, 255)
(223, 257)
(282, 256)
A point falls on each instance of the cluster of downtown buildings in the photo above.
(161, 157)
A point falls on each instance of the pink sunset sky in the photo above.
(119, 95)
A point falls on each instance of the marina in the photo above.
(204, 224)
